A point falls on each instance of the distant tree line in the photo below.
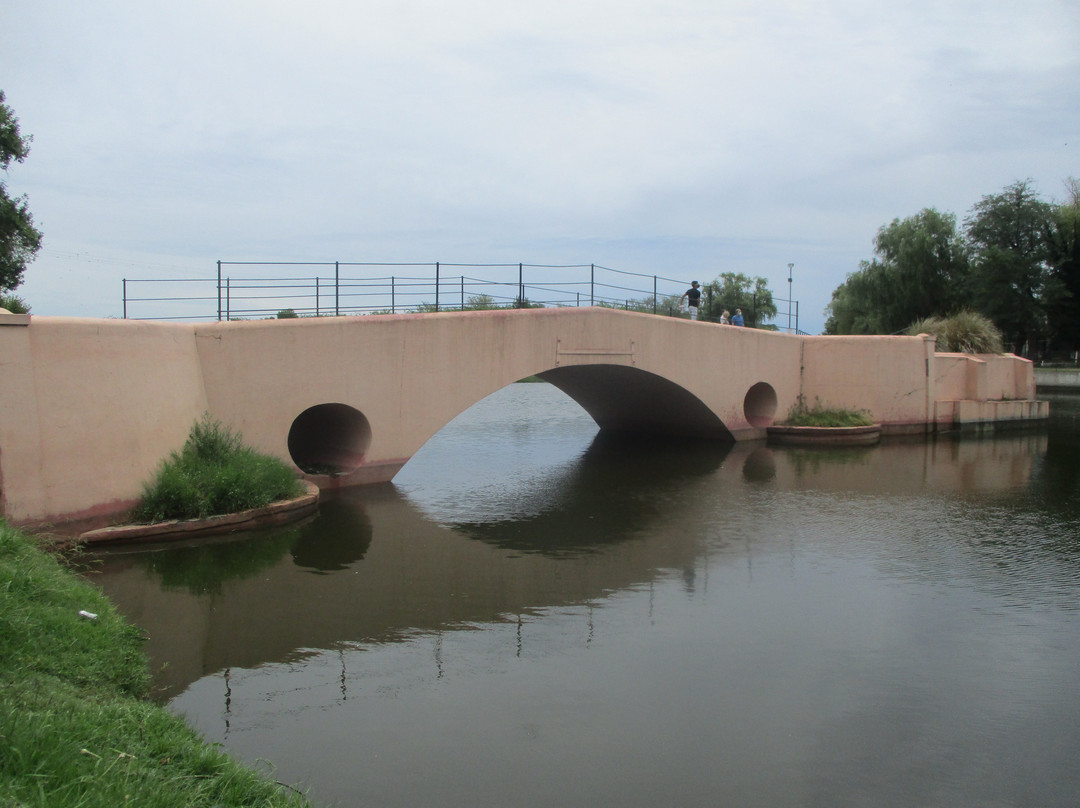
(1015, 260)
(727, 292)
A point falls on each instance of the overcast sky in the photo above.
(683, 138)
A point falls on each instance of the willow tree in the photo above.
(919, 270)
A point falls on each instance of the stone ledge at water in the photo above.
(825, 435)
(276, 513)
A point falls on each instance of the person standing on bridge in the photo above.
(691, 298)
(737, 319)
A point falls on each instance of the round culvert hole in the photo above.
(759, 406)
(329, 439)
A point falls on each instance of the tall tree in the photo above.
(857, 305)
(1009, 235)
(918, 271)
(734, 290)
(19, 239)
(1064, 260)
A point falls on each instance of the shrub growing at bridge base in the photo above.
(214, 473)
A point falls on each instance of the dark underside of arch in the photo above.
(626, 399)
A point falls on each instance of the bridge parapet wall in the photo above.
(983, 377)
(88, 408)
(890, 377)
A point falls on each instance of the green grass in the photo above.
(214, 473)
(821, 416)
(75, 728)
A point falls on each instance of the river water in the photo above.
(536, 615)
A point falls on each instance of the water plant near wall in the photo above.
(821, 416)
(214, 473)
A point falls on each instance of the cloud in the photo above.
(741, 135)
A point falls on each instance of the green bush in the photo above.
(16, 305)
(965, 332)
(821, 416)
(214, 473)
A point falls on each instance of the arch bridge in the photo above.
(89, 408)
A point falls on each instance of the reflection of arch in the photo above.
(329, 439)
(627, 399)
(621, 482)
(335, 539)
(759, 405)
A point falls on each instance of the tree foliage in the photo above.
(734, 290)
(19, 239)
(1063, 258)
(1016, 261)
(1009, 234)
(918, 271)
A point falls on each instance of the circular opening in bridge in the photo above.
(329, 439)
(759, 406)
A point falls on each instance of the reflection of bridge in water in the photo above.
(88, 408)
(371, 569)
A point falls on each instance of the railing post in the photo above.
(796, 316)
(228, 299)
(393, 309)
(337, 289)
(463, 293)
(655, 302)
(125, 298)
(521, 287)
(436, 286)
(316, 295)
(592, 284)
(219, 291)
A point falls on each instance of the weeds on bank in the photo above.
(74, 728)
(214, 473)
(820, 416)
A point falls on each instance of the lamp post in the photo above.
(789, 268)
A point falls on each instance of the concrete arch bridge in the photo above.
(89, 408)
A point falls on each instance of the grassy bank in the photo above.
(75, 729)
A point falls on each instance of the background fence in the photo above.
(257, 290)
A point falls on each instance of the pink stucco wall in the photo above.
(88, 408)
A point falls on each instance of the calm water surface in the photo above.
(535, 615)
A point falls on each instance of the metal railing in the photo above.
(259, 290)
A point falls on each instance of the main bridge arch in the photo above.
(334, 438)
(353, 398)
